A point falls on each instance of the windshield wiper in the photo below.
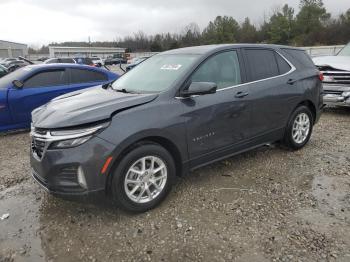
(123, 90)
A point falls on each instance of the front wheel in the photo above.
(299, 128)
(143, 178)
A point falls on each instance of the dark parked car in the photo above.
(3, 71)
(32, 86)
(115, 61)
(60, 60)
(175, 112)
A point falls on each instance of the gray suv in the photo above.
(177, 111)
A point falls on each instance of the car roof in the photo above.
(68, 65)
(206, 49)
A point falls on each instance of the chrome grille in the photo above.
(336, 77)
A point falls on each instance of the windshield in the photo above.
(345, 51)
(156, 74)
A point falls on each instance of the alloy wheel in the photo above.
(145, 179)
(301, 128)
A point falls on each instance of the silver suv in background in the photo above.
(336, 77)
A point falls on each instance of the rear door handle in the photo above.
(241, 94)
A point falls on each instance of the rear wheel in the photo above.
(299, 128)
(143, 178)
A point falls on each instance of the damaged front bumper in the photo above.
(336, 95)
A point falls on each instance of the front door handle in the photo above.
(241, 94)
(291, 81)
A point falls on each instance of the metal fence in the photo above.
(322, 50)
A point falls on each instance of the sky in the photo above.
(37, 22)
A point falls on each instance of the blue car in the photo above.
(32, 86)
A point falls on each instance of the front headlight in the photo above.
(69, 142)
(66, 138)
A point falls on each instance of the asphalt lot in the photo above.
(265, 205)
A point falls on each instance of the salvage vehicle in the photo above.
(3, 71)
(32, 86)
(336, 77)
(197, 105)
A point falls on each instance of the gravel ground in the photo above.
(265, 205)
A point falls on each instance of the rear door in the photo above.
(271, 91)
(38, 89)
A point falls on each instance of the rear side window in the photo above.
(283, 66)
(85, 76)
(261, 64)
(300, 57)
(47, 78)
(222, 69)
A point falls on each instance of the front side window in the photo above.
(47, 78)
(156, 74)
(222, 69)
(262, 64)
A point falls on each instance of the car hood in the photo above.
(85, 106)
(337, 62)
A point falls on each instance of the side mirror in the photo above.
(200, 88)
(18, 84)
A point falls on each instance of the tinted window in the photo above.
(300, 57)
(84, 76)
(283, 66)
(47, 78)
(261, 64)
(222, 69)
(66, 60)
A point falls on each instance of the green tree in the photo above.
(310, 22)
(247, 32)
(281, 26)
(223, 30)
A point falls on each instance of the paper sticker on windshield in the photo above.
(170, 67)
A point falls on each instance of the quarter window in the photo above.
(261, 64)
(222, 69)
(283, 66)
(85, 76)
(47, 78)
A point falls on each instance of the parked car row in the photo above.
(12, 64)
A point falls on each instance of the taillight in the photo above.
(320, 76)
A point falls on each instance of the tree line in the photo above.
(312, 25)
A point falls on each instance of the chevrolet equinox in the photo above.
(176, 111)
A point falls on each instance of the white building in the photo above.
(12, 49)
(103, 52)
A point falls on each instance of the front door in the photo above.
(38, 89)
(217, 121)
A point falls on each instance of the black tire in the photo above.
(117, 184)
(288, 139)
